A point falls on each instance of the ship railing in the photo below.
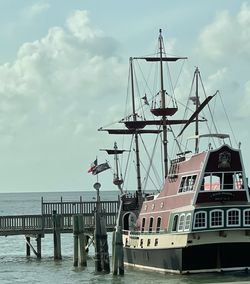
(218, 186)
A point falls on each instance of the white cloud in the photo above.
(58, 70)
(78, 25)
(56, 94)
(223, 48)
(228, 36)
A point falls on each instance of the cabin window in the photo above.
(211, 182)
(200, 220)
(187, 222)
(238, 180)
(148, 242)
(175, 222)
(158, 227)
(233, 217)
(151, 224)
(143, 224)
(216, 218)
(141, 243)
(181, 223)
(222, 180)
(246, 217)
(174, 167)
(187, 183)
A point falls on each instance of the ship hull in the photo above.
(192, 259)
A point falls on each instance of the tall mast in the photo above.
(117, 180)
(197, 105)
(138, 170)
(163, 106)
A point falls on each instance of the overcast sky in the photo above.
(63, 74)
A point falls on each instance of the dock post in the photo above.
(75, 236)
(117, 254)
(100, 236)
(114, 255)
(104, 246)
(97, 238)
(27, 246)
(81, 242)
(57, 235)
(97, 233)
(117, 245)
(39, 246)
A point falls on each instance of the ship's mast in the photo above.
(137, 156)
(163, 106)
(197, 73)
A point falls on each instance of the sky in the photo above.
(64, 71)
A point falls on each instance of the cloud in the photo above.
(35, 10)
(228, 36)
(223, 49)
(54, 73)
(55, 95)
(78, 25)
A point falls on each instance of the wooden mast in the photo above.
(197, 105)
(138, 168)
(163, 106)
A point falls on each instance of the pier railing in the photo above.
(43, 223)
(78, 207)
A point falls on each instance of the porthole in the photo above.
(162, 204)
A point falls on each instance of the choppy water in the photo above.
(15, 267)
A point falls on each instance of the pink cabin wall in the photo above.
(169, 198)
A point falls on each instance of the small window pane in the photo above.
(200, 220)
(158, 227)
(247, 217)
(181, 223)
(175, 222)
(143, 224)
(216, 218)
(233, 218)
(187, 222)
(151, 224)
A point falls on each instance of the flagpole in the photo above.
(97, 165)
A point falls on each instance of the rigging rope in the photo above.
(235, 141)
(151, 161)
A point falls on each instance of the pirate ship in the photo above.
(199, 220)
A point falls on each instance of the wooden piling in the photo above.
(97, 237)
(39, 246)
(75, 236)
(117, 254)
(57, 235)
(119, 246)
(81, 242)
(27, 245)
(114, 255)
(104, 246)
(100, 236)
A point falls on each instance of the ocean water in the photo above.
(15, 267)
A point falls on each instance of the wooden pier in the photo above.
(42, 224)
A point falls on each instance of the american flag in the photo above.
(93, 166)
